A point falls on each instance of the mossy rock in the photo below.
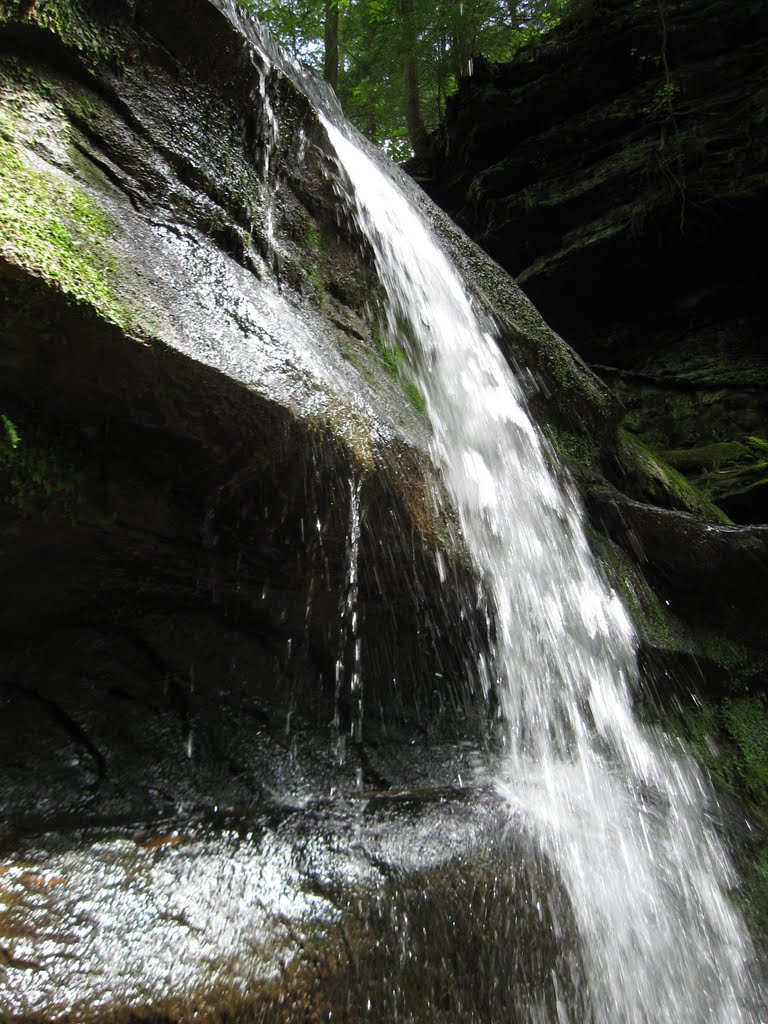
(728, 735)
(722, 722)
(69, 21)
(708, 457)
(733, 473)
(37, 472)
(51, 227)
(662, 484)
(657, 627)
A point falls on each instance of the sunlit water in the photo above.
(618, 812)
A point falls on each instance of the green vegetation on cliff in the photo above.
(730, 738)
(395, 361)
(662, 483)
(33, 475)
(49, 226)
(67, 19)
(734, 473)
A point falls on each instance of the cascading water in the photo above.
(618, 812)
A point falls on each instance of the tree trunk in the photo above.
(413, 118)
(331, 39)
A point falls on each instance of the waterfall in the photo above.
(617, 810)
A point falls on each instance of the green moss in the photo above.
(367, 375)
(9, 438)
(711, 456)
(395, 368)
(758, 445)
(393, 358)
(728, 733)
(745, 720)
(762, 865)
(313, 237)
(663, 481)
(67, 19)
(34, 475)
(414, 395)
(352, 356)
(81, 107)
(314, 270)
(578, 452)
(341, 422)
(54, 230)
(579, 387)
(730, 738)
(756, 897)
(647, 611)
(652, 620)
(317, 284)
(735, 658)
(727, 469)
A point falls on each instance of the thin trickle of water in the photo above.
(618, 812)
(348, 716)
(271, 134)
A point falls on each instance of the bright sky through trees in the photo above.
(394, 62)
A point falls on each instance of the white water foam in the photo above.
(618, 811)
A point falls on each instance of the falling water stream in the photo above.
(615, 808)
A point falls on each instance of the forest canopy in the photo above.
(393, 63)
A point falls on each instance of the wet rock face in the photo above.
(192, 391)
(416, 904)
(196, 402)
(195, 410)
(711, 575)
(619, 173)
